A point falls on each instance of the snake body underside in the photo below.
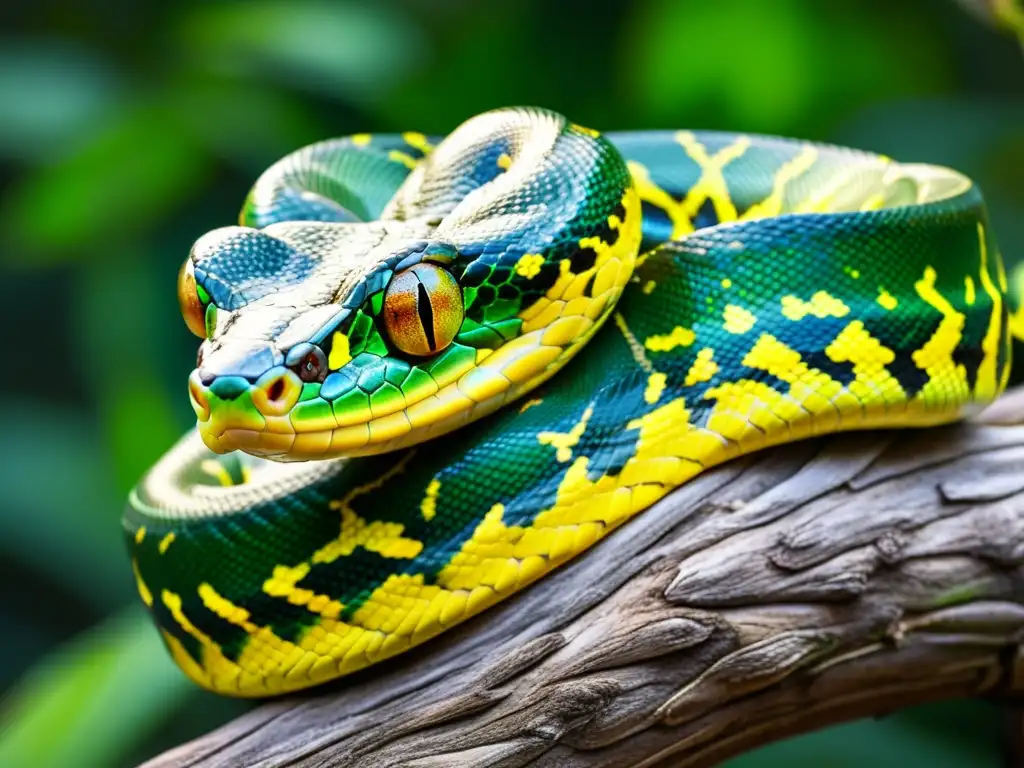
(771, 290)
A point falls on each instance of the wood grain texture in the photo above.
(820, 582)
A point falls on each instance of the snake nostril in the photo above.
(276, 390)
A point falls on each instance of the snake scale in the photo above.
(384, 294)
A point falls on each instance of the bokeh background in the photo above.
(130, 127)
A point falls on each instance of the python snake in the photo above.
(383, 294)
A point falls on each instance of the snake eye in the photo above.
(192, 308)
(308, 361)
(423, 309)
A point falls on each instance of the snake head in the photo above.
(280, 347)
(341, 339)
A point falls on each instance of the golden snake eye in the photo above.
(422, 309)
(192, 308)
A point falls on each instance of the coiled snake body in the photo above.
(385, 293)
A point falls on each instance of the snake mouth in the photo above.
(377, 436)
(281, 418)
(239, 425)
(277, 417)
(269, 445)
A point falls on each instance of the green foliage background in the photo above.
(128, 128)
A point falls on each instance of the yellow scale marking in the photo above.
(986, 385)
(140, 585)
(947, 381)
(401, 157)
(530, 404)
(873, 385)
(165, 543)
(792, 169)
(428, 507)
(404, 610)
(418, 141)
(703, 369)
(563, 442)
(679, 337)
(711, 184)
(887, 301)
(822, 304)
(283, 583)
(217, 471)
(340, 354)
(655, 386)
(529, 265)
(737, 320)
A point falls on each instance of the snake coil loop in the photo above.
(384, 294)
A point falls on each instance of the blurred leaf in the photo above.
(245, 123)
(357, 51)
(726, 65)
(55, 94)
(130, 175)
(1004, 165)
(91, 702)
(1006, 15)
(141, 426)
(968, 129)
(25, 641)
(467, 75)
(126, 322)
(61, 510)
(960, 734)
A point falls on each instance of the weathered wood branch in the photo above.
(821, 582)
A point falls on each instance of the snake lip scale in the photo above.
(432, 370)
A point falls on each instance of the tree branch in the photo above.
(824, 581)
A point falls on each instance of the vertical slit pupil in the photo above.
(426, 313)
